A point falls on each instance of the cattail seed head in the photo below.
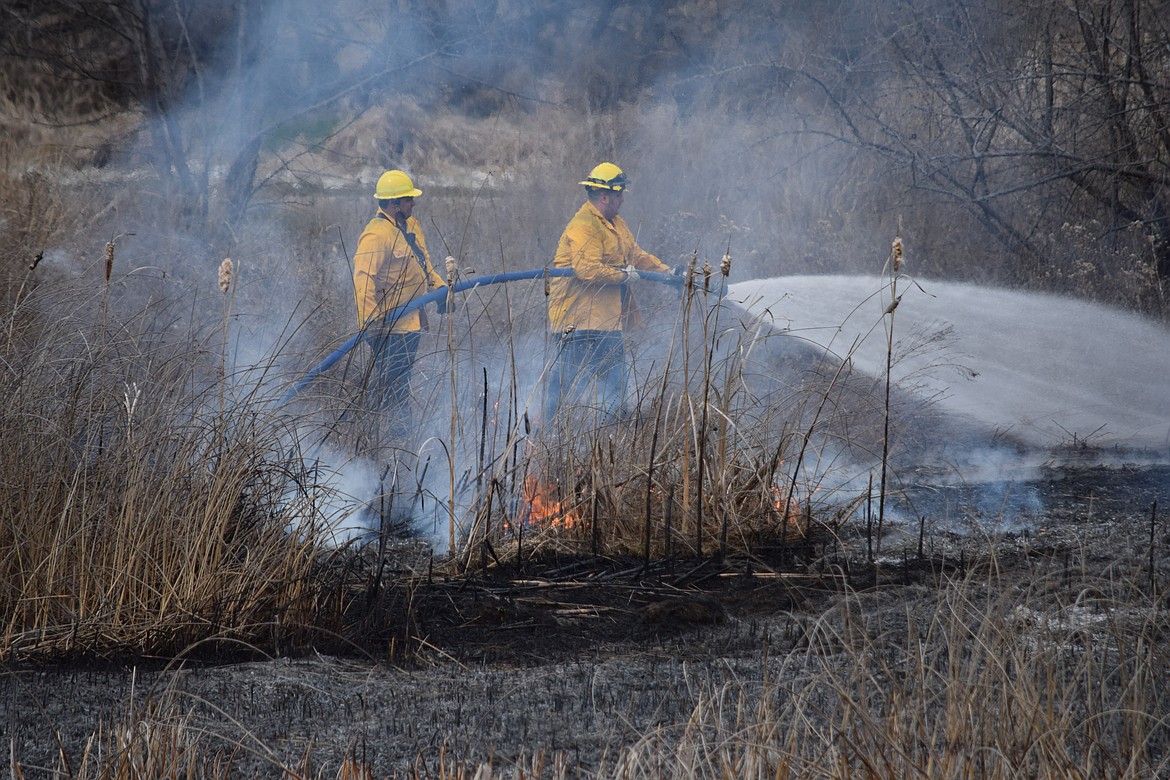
(725, 265)
(896, 249)
(707, 270)
(452, 268)
(225, 275)
(109, 259)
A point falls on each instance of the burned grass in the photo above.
(551, 604)
(1000, 653)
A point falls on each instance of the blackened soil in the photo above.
(547, 610)
(576, 657)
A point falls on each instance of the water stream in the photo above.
(1045, 370)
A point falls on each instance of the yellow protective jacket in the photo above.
(597, 250)
(386, 273)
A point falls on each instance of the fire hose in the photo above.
(441, 293)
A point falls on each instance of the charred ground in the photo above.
(576, 656)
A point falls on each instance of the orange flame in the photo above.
(789, 509)
(541, 509)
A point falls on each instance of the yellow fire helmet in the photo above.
(607, 176)
(395, 184)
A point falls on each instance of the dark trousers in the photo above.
(590, 369)
(389, 387)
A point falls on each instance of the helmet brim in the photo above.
(410, 194)
(607, 187)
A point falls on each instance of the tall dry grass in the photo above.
(141, 512)
(157, 504)
(711, 458)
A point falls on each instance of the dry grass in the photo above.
(155, 504)
(140, 516)
(145, 519)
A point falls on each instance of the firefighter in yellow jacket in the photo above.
(588, 310)
(391, 268)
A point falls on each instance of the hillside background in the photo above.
(1024, 145)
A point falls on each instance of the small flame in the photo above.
(542, 509)
(788, 507)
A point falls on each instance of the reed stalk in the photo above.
(701, 433)
(894, 268)
(228, 290)
(451, 275)
(687, 299)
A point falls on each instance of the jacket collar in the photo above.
(386, 215)
(596, 212)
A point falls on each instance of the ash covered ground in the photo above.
(573, 660)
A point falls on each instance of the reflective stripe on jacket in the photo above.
(597, 250)
(386, 273)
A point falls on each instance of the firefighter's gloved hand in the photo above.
(632, 274)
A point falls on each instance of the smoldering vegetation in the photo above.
(164, 507)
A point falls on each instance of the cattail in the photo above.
(109, 260)
(37, 261)
(225, 284)
(452, 269)
(547, 283)
(725, 265)
(896, 248)
(225, 275)
(707, 270)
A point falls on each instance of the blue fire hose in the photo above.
(441, 293)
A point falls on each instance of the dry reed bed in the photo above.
(148, 500)
(140, 514)
(157, 499)
(148, 511)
